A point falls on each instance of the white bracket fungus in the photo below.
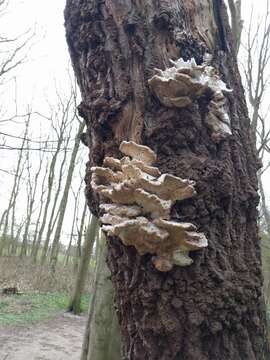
(184, 82)
(141, 199)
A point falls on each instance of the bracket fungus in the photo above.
(140, 202)
(185, 82)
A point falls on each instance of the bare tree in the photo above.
(64, 199)
(54, 213)
(14, 192)
(16, 240)
(41, 203)
(76, 195)
(80, 230)
(92, 231)
(13, 51)
(32, 187)
(256, 69)
(61, 117)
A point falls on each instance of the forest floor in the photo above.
(59, 338)
(33, 321)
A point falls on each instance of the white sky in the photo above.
(49, 57)
(36, 79)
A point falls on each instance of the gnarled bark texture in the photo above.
(212, 309)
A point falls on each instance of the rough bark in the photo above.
(212, 309)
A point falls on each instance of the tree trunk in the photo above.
(79, 239)
(265, 210)
(61, 128)
(75, 303)
(34, 247)
(101, 340)
(212, 309)
(16, 240)
(31, 196)
(75, 210)
(54, 212)
(64, 199)
(14, 191)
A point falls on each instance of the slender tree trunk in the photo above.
(212, 309)
(15, 241)
(266, 216)
(3, 216)
(72, 228)
(48, 199)
(64, 199)
(34, 247)
(101, 339)
(32, 189)
(79, 239)
(265, 210)
(60, 131)
(23, 251)
(75, 303)
(76, 195)
(54, 214)
(14, 191)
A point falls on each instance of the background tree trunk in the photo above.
(102, 340)
(64, 198)
(14, 192)
(32, 189)
(51, 178)
(34, 247)
(76, 194)
(80, 230)
(75, 303)
(54, 212)
(214, 308)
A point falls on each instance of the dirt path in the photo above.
(57, 339)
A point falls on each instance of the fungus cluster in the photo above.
(137, 205)
(184, 82)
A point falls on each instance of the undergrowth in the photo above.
(27, 308)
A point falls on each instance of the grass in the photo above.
(31, 307)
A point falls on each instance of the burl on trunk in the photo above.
(121, 52)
